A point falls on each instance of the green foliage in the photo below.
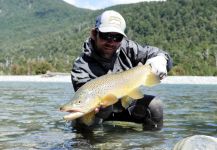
(17, 69)
(32, 67)
(177, 70)
(41, 67)
(37, 36)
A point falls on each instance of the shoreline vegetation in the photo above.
(67, 79)
(37, 36)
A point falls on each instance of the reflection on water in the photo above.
(30, 119)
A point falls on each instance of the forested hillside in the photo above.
(37, 36)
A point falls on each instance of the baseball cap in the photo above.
(111, 21)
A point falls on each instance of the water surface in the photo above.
(30, 119)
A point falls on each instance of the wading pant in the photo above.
(148, 111)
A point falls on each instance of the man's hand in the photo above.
(158, 65)
(98, 109)
(103, 112)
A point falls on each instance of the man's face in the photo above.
(107, 43)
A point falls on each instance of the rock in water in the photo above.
(197, 142)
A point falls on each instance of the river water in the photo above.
(30, 119)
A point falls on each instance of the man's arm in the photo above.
(80, 73)
(154, 52)
(160, 60)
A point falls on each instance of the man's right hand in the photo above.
(103, 112)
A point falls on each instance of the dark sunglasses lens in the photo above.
(109, 37)
(118, 38)
(103, 35)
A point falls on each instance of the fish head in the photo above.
(81, 104)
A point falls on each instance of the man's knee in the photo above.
(149, 106)
(155, 119)
(156, 109)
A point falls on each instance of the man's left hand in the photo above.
(158, 65)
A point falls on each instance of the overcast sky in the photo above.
(99, 4)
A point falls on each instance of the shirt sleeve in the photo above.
(79, 73)
(141, 54)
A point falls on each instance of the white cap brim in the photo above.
(111, 29)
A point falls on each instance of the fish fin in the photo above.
(139, 64)
(136, 94)
(108, 100)
(150, 78)
(109, 72)
(126, 101)
(88, 119)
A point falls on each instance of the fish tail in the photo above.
(150, 79)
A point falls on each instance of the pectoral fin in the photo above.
(88, 119)
(136, 94)
(108, 100)
(126, 101)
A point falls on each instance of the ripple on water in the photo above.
(30, 119)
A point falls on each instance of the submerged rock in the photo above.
(197, 142)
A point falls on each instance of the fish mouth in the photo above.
(74, 113)
(73, 116)
(70, 109)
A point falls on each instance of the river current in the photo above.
(30, 119)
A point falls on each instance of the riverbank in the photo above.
(67, 78)
(190, 80)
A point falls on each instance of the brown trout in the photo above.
(107, 90)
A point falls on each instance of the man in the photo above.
(108, 49)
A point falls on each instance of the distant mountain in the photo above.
(41, 35)
(26, 19)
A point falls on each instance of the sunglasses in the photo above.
(110, 37)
